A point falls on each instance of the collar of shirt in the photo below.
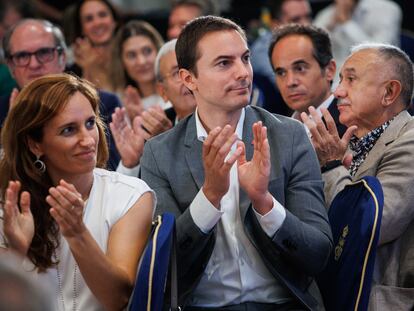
(362, 146)
(325, 104)
(202, 133)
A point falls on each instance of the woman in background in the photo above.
(81, 227)
(95, 26)
(135, 49)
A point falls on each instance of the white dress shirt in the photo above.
(235, 272)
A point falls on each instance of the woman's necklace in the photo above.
(60, 285)
(75, 276)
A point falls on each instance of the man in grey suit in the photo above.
(251, 235)
(375, 90)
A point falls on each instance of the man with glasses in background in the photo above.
(34, 48)
(130, 139)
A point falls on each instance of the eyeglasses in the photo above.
(174, 76)
(43, 55)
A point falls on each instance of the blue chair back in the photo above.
(355, 217)
(152, 275)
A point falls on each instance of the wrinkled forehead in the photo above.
(365, 62)
(31, 34)
(362, 59)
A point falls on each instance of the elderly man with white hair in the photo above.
(373, 96)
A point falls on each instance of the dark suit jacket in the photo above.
(171, 114)
(108, 104)
(333, 110)
(299, 249)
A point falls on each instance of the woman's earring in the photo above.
(39, 165)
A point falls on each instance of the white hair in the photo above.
(164, 50)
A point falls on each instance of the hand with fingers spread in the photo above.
(254, 174)
(132, 102)
(325, 139)
(86, 56)
(18, 224)
(94, 61)
(155, 121)
(216, 147)
(128, 140)
(67, 209)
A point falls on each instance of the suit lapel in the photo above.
(193, 153)
(333, 110)
(389, 135)
(250, 118)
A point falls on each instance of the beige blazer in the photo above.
(391, 160)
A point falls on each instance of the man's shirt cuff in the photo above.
(204, 214)
(273, 220)
(133, 171)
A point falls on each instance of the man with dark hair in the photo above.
(251, 235)
(183, 11)
(301, 57)
(375, 90)
(34, 48)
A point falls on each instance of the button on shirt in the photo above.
(235, 272)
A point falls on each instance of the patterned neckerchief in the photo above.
(361, 147)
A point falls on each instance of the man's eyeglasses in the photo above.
(174, 76)
(43, 55)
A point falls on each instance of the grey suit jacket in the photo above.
(391, 160)
(172, 166)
